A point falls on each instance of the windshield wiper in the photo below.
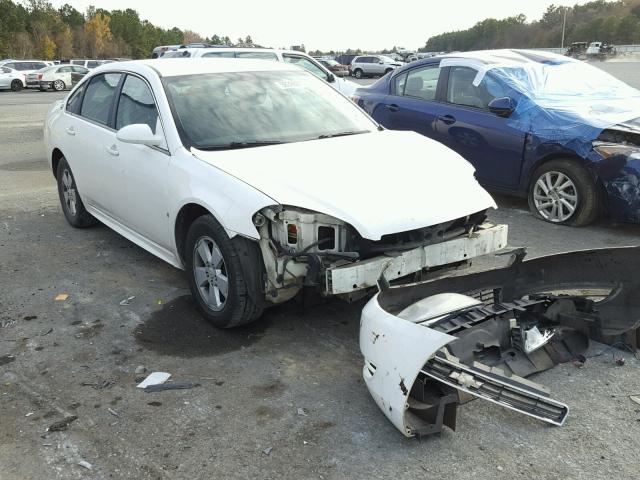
(343, 134)
(235, 145)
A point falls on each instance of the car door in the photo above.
(377, 66)
(89, 142)
(77, 74)
(64, 74)
(411, 103)
(466, 125)
(141, 203)
(5, 77)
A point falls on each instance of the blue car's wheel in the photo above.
(563, 191)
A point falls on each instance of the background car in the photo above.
(300, 59)
(11, 79)
(372, 65)
(58, 77)
(334, 67)
(23, 68)
(87, 63)
(562, 133)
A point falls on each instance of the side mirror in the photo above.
(502, 107)
(381, 62)
(138, 133)
(331, 78)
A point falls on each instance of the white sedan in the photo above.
(11, 79)
(259, 179)
(56, 77)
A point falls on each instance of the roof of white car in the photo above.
(171, 67)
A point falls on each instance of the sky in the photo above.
(327, 24)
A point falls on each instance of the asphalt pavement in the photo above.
(282, 398)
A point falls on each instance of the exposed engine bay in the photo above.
(431, 347)
(300, 247)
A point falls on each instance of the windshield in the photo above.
(232, 110)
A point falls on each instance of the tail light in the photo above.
(292, 234)
(39, 76)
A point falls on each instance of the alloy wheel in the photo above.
(58, 85)
(69, 192)
(555, 197)
(210, 273)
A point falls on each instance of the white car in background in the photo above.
(300, 59)
(19, 71)
(11, 79)
(259, 179)
(58, 77)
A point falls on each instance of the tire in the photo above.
(70, 200)
(213, 265)
(16, 85)
(571, 185)
(59, 85)
(357, 73)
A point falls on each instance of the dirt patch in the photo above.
(271, 389)
(178, 330)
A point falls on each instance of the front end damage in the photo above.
(432, 346)
(302, 248)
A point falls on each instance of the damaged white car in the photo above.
(259, 179)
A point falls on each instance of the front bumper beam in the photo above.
(344, 279)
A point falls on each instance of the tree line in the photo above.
(613, 22)
(35, 29)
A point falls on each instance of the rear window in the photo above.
(92, 64)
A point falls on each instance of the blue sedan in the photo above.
(555, 130)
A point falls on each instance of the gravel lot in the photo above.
(79, 356)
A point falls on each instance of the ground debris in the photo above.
(85, 464)
(101, 384)
(127, 300)
(62, 425)
(61, 297)
(170, 386)
(267, 451)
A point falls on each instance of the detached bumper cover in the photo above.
(418, 371)
(357, 276)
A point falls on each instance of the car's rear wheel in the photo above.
(59, 85)
(357, 73)
(218, 283)
(16, 85)
(70, 200)
(564, 192)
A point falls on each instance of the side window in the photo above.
(6, 70)
(73, 105)
(259, 55)
(39, 65)
(219, 55)
(23, 66)
(64, 69)
(98, 97)
(422, 82)
(92, 64)
(136, 105)
(306, 64)
(462, 91)
(78, 69)
(11, 65)
(398, 85)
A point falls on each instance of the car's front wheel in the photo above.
(70, 200)
(16, 85)
(564, 192)
(357, 73)
(219, 285)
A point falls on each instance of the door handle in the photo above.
(448, 119)
(113, 150)
(393, 107)
(71, 131)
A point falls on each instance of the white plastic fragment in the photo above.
(127, 300)
(85, 464)
(302, 411)
(154, 378)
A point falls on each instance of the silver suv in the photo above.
(372, 65)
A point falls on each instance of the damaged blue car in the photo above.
(558, 131)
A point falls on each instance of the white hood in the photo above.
(380, 183)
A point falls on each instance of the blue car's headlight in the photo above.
(613, 149)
